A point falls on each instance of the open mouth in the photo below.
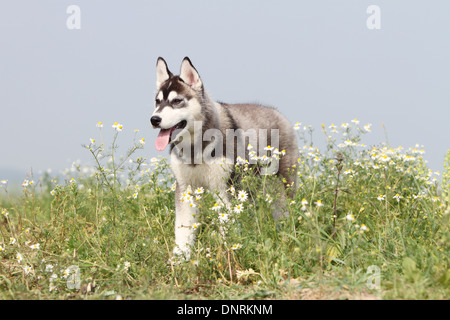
(164, 136)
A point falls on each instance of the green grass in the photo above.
(356, 208)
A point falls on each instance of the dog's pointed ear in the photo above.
(162, 72)
(189, 75)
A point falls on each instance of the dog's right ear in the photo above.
(162, 72)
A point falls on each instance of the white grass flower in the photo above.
(199, 190)
(216, 207)
(349, 171)
(381, 197)
(350, 217)
(242, 196)
(253, 156)
(349, 142)
(49, 268)
(135, 195)
(153, 161)
(35, 246)
(397, 197)
(52, 287)
(65, 273)
(189, 189)
(238, 208)
(12, 240)
(142, 141)
(236, 246)
(319, 203)
(240, 161)
(117, 126)
(99, 124)
(223, 217)
(27, 269)
(268, 198)
(126, 265)
(19, 257)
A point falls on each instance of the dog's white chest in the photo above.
(212, 176)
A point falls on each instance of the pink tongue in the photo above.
(163, 139)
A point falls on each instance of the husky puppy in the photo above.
(206, 139)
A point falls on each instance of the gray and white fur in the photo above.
(185, 112)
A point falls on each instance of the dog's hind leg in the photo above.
(286, 186)
(280, 207)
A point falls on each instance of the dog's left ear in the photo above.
(189, 75)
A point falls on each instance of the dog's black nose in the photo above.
(155, 120)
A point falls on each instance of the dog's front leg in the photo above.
(185, 218)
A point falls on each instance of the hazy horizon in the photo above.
(317, 62)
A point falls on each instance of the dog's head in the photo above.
(177, 102)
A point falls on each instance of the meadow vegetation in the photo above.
(366, 222)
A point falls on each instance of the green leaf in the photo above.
(333, 252)
(410, 270)
(445, 278)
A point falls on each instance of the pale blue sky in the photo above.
(316, 61)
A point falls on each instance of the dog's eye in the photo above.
(157, 101)
(177, 101)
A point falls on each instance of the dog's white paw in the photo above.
(181, 253)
